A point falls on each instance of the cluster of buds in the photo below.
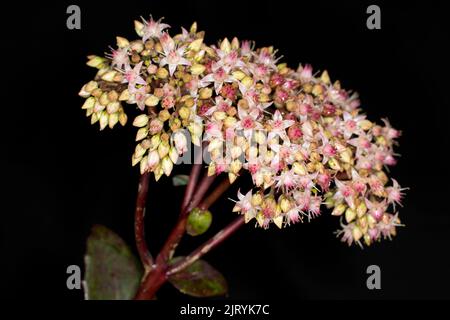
(302, 137)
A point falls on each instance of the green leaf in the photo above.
(198, 221)
(200, 279)
(112, 272)
(180, 180)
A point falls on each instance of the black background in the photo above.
(62, 176)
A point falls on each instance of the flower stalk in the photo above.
(139, 230)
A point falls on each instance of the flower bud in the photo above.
(123, 118)
(96, 62)
(285, 205)
(113, 119)
(156, 126)
(151, 101)
(350, 215)
(112, 107)
(122, 42)
(361, 209)
(196, 45)
(109, 76)
(184, 112)
(238, 75)
(225, 46)
(139, 28)
(278, 221)
(89, 103)
(205, 93)
(180, 142)
(163, 149)
(356, 233)
(124, 95)
(167, 165)
(162, 73)
(104, 117)
(339, 209)
(141, 133)
(153, 160)
(140, 121)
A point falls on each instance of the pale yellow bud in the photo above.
(94, 118)
(365, 125)
(104, 119)
(193, 28)
(339, 209)
(135, 160)
(124, 95)
(167, 165)
(346, 155)
(225, 46)
(113, 107)
(96, 62)
(139, 28)
(317, 90)
(109, 76)
(229, 122)
(350, 215)
(197, 69)
(205, 93)
(334, 164)
(356, 233)
(91, 86)
(325, 77)
(173, 154)
(139, 150)
(257, 199)
(285, 205)
(219, 115)
(163, 149)
(152, 100)
(196, 45)
(141, 134)
(137, 46)
(113, 119)
(155, 140)
(122, 42)
(89, 103)
(238, 75)
(162, 73)
(235, 43)
(278, 221)
(153, 160)
(184, 112)
(361, 209)
(140, 121)
(103, 99)
(143, 165)
(123, 118)
(299, 168)
(247, 81)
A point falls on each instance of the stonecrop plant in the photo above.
(302, 139)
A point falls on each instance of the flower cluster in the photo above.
(301, 137)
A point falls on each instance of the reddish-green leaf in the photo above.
(112, 272)
(198, 221)
(200, 279)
